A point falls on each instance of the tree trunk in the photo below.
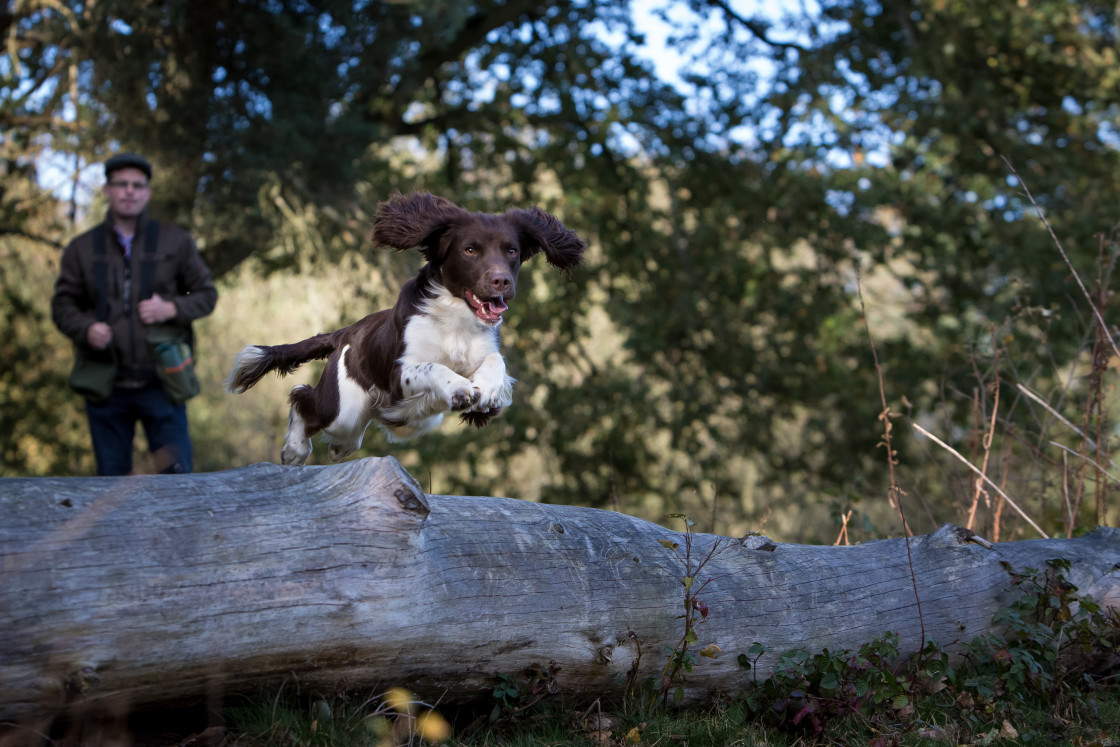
(120, 592)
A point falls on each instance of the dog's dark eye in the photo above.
(469, 250)
(512, 251)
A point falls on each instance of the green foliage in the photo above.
(506, 692)
(1051, 635)
(45, 431)
(1041, 659)
(823, 687)
(513, 697)
(710, 350)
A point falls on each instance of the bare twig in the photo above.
(896, 492)
(885, 416)
(978, 485)
(1072, 427)
(756, 27)
(998, 513)
(1096, 403)
(975, 469)
(1053, 412)
(715, 504)
(986, 440)
(1065, 494)
(1091, 461)
(843, 536)
(1089, 298)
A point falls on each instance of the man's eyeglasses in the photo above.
(125, 185)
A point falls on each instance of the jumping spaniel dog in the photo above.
(436, 350)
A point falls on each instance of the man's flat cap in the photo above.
(126, 161)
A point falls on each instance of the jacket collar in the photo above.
(141, 228)
(141, 222)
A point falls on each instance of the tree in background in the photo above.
(712, 349)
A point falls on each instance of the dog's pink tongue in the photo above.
(487, 311)
(495, 307)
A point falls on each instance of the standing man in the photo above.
(118, 284)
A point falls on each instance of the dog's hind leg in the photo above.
(339, 450)
(400, 432)
(297, 444)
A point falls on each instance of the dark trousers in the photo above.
(112, 424)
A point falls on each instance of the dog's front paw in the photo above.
(459, 393)
(496, 387)
(479, 419)
(496, 394)
(465, 398)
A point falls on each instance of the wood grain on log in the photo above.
(157, 588)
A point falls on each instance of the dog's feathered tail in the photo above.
(254, 361)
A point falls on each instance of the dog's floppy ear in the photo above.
(541, 231)
(418, 219)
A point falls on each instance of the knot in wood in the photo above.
(411, 499)
(964, 534)
(606, 654)
(83, 679)
(756, 541)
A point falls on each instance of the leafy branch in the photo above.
(695, 613)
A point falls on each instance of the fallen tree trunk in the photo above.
(150, 589)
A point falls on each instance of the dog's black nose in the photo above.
(501, 283)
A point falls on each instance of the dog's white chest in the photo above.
(447, 332)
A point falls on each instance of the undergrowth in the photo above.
(1038, 673)
(1048, 677)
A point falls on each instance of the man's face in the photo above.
(127, 191)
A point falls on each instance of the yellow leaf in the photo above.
(433, 727)
(711, 650)
(398, 699)
(634, 736)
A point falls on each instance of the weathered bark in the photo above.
(146, 589)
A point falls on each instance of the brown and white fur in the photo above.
(436, 350)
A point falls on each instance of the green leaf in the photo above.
(688, 581)
(669, 544)
(899, 702)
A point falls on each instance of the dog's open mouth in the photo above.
(488, 311)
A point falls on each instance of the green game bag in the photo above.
(170, 347)
(94, 372)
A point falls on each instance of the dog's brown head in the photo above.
(476, 256)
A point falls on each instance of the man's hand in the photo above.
(99, 335)
(155, 310)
